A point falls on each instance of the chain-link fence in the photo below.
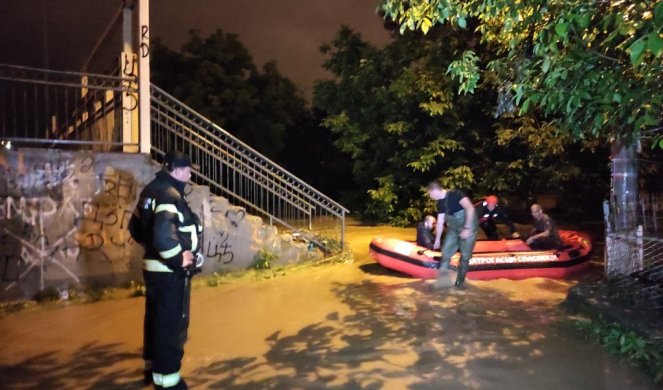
(634, 260)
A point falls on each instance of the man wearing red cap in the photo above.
(165, 225)
(490, 212)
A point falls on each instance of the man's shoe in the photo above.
(444, 279)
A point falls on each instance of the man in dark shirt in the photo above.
(490, 212)
(544, 233)
(424, 236)
(456, 209)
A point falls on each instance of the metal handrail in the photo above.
(301, 203)
(45, 106)
(66, 73)
(279, 172)
(42, 106)
(225, 155)
(229, 157)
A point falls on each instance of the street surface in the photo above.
(347, 326)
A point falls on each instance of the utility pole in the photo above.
(144, 74)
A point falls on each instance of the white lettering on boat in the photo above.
(481, 260)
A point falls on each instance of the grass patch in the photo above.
(623, 342)
(262, 272)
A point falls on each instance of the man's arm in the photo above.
(469, 216)
(545, 233)
(439, 229)
(167, 218)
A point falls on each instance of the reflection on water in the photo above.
(378, 329)
(408, 335)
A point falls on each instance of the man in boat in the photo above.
(544, 233)
(425, 236)
(490, 212)
(456, 209)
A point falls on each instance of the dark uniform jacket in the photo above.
(497, 215)
(164, 223)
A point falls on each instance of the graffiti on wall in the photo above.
(64, 217)
(37, 249)
(58, 216)
(217, 247)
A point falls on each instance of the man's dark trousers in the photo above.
(166, 320)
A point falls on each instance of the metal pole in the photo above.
(342, 228)
(144, 74)
(127, 69)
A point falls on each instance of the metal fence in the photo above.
(40, 107)
(634, 260)
(245, 177)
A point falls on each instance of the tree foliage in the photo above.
(590, 67)
(217, 77)
(310, 154)
(393, 113)
(396, 113)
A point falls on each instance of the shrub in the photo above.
(626, 343)
(264, 259)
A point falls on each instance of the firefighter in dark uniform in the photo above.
(165, 225)
(490, 212)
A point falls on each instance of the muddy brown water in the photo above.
(349, 326)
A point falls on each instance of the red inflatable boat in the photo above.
(511, 259)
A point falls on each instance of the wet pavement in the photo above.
(348, 326)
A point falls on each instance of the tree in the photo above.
(396, 114)
(217, 77)
(310, 154)
(590, 68)
(392, 111)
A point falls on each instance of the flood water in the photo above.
(348, 326)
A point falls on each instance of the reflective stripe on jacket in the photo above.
(170, 226)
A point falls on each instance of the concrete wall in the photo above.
(64, 216)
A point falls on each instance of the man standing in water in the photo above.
(165, 225)
(456, 209)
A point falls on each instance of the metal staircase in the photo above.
(245, 177)
(46, 108)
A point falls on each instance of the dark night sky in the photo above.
(59, 34)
